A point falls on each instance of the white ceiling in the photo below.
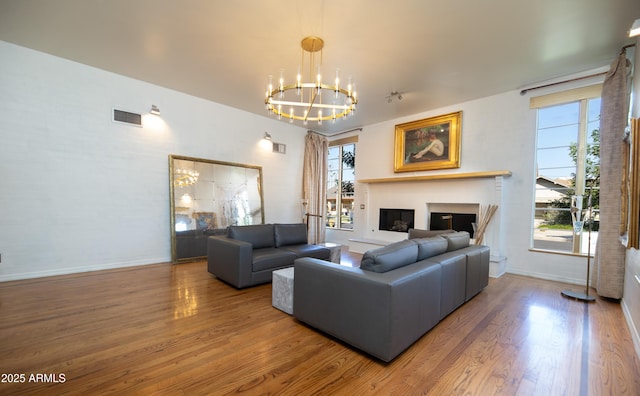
(435, 52)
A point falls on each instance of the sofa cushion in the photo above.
(429, 247)
(457, 240)
(272, 258)
(307, 250)
(387, 258)
(417, 233)
(259, 235)
(290, 234)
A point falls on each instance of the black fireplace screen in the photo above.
(399, 220)
(452, 221)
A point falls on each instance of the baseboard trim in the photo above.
(75, 270)
(633, 330)
(573, 281)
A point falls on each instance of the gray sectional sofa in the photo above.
(399, 292)
(247, 255)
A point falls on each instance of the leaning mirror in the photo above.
(208, 196)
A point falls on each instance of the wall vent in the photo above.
(280, 148)
(126, 117)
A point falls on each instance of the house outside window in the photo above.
(567, 165)
(341, 186)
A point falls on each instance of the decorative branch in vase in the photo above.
(486, 213)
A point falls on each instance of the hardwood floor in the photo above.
(175, 329)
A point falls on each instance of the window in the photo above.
(567, 165)
(340, 185)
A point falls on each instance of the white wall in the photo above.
(498, 133)
(79, 192)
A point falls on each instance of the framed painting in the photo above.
(205, 220)
(428, 144)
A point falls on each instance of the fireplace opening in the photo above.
(399, 220)
(452, 221)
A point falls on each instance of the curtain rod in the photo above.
(343, 132)
(524, 91)
(336, 134)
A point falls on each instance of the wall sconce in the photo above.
(635, 29)
(186, 199)
(266, 143)
(155, 110)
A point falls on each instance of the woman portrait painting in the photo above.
(432, 143)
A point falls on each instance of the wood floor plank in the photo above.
(174, 329)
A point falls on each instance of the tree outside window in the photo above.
(341, 186)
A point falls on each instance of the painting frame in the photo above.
(428, 144)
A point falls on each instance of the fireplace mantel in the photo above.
(446, 176)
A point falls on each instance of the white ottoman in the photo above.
(282, 290)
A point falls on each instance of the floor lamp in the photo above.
(578, 224)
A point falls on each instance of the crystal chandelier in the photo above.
(184, 177)
(314, 100)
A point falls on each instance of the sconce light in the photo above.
(635, 29)
(155, 110)
(266, 143)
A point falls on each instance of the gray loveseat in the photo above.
(247, 255)
(399, 292)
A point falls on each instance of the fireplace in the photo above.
(399, 220)
(452, 221)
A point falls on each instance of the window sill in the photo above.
(584, 255)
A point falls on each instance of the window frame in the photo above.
(338, 225)
(582, 96)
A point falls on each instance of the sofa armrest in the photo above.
(230, 260)
(379, 313)
(478, 258)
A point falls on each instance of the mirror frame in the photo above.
(172, 197)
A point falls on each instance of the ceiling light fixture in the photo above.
(184, 177)
(155, 110)
(392, 94)
(319, 102)
(267, 136)
(635, 29)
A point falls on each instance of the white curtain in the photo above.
(609, 258)
(314, 185)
